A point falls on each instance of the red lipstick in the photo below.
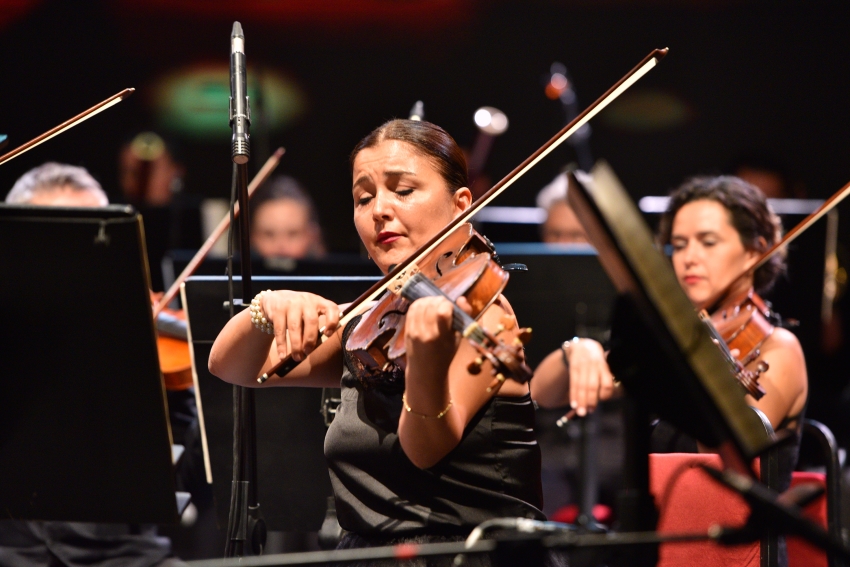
(386, 237)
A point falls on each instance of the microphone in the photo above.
(418, 111)
(240, 112)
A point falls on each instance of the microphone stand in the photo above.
(245, 521)
(561, 84)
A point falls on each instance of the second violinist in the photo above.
(420, 454)
(717, 227)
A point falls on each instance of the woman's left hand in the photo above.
(428, 334)
(581, 383)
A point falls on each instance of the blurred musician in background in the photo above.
(47, 544)
(768, 174)
(284, 221)
(151, 176)
(718, 228)
(58, 185)
(561, 225)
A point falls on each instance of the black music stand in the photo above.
(293, 480)
(84, 433)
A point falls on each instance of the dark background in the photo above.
(746, 76)
(752, 76)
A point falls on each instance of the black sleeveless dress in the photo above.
(381, 496)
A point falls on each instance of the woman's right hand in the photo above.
(300, 316)
(591, 380)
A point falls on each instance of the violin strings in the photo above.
(420, 286)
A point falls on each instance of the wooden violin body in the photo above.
(172, 345)
(461, 266)
(175, 361)
(743, 324)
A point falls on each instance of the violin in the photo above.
(172, 344)
(742, 324)
(461, 266)
(405, 270)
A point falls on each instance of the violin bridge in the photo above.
(402, 278)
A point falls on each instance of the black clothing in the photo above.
(71, 544)
(493, 472)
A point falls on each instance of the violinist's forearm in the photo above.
(550, 387)
(428, 437)
(431, 422)
(240, 352)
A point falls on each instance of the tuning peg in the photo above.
(497, 382)
(475, 366)
(507, 322)
(524, 335)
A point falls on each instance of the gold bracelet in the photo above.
(422, 415)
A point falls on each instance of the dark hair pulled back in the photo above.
(426, 139)
(749, 214)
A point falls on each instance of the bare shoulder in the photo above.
(785, 340)
(782, 351)
(785, 381)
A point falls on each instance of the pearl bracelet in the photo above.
(566, 346)
(422, 415)
(258, 317)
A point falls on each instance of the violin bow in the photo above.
(400, 272)
(804, 224)
(201, 254)
(67, 125)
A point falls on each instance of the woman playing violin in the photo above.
(717, 227)
(425, 453)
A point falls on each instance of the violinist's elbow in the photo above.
(426, 451)
(215, 365)
(424, 461)
(218, 366)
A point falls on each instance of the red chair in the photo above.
(824, 511)
(689, 501)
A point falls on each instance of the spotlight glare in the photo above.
(483, 118)
(491, 120)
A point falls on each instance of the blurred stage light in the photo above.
(491, 120)
(647, 110)
(194, 100)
